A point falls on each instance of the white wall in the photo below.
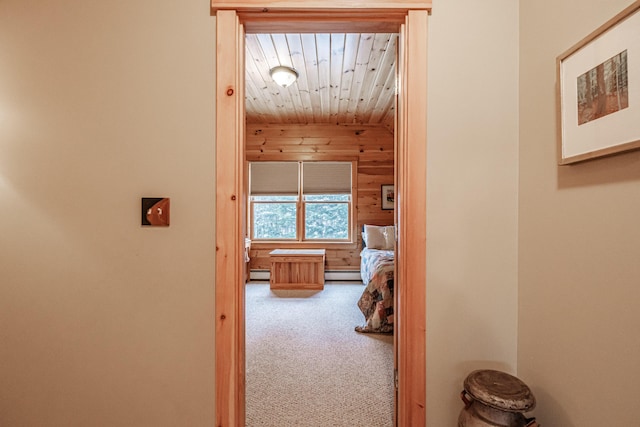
(472, 180)
(103, 322)
(578, 345)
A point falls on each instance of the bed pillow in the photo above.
(390, 236)
(378, 237)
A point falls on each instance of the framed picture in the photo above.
(388, 197)
(598, 91)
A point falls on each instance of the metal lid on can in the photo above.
(499, 390)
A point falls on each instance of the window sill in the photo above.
(256, 244)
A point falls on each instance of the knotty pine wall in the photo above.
(371, 146)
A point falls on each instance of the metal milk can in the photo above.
(495, 399)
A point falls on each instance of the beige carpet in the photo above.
(306, 366)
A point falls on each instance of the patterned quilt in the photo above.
(376, 302)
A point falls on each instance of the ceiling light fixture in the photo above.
(284, 76)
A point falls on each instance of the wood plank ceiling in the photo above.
(343, 78)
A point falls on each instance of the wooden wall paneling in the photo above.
(351, 43)
(258, 81)
(338, 259)
(336, 71)
(323, 51)
(282, 42)
(365, 48)
(273, 58)
(371, 68)
(363, 131)
(383, 88)
(341, 78)
(294, 41)
(254, 100)
(310, 55)
(371, 145)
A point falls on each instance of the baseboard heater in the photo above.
(328, 275)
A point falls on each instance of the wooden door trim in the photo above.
(329, 6)
(230, 196)
(411, 180)
(316, 16)
(229, 303)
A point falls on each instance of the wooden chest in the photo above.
(297, 269)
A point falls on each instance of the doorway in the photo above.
(337, 119)
(410, 19)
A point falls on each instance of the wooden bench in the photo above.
(297, 269)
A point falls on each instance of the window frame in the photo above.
(300, 203)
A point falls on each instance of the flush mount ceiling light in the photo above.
(284, 76)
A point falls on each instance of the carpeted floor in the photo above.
(306, 366)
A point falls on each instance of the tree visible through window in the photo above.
(274, 217)
(320, 209)
(326, 216)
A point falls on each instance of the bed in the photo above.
(377, 272)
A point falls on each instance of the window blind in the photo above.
(326, 177)
(273, 178)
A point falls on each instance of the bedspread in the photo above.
(369, 260)
(376, 302)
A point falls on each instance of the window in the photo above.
(301, 201)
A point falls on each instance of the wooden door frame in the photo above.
(409, 18)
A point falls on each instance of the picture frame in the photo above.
(598, 91)
(387, 197)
